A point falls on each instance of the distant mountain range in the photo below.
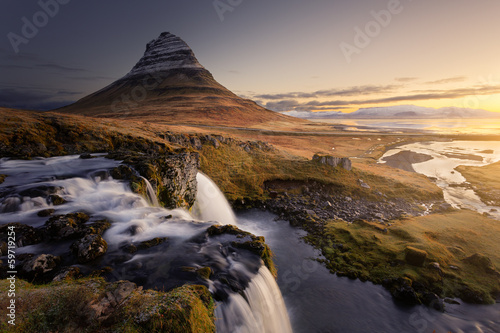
(168, 84)
(399, 112)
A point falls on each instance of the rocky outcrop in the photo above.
(39, 266)
(173, 177)
(89, 248)
(332, 161)
(25, 235)
(93, 305)
(178, 185)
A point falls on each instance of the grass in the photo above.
(242, 174)
(371, 254)
(83, 306)
(485, 180)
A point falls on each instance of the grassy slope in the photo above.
(486, 181)
(447, 238)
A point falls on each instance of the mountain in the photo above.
(400, 112)
(168, 84)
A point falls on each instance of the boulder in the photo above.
(414, 256)
(25, 234)
(344, 162)
(89, 248)
(68, 226)
(69, 273)
(39, 265)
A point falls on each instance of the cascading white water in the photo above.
(211, 205)
(261, 310)
(151, 193)
(86, 186)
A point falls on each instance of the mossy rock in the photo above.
(2, 178)
(414, 256)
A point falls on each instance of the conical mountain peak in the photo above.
(169, 85)
(165, 53)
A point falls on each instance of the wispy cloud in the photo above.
(405, 79)
(347, 92)
(282, 102)
(448, 80)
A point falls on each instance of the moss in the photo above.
(84, 306)
(2, 178)
(204, 272)
(470, 272)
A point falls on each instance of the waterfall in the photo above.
(262, 308)
(151, 193)
(256, 305)
(211, 205)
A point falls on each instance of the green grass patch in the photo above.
(465, 244)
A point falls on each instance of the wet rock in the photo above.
(68, 273)
(25, 234)
(66, 226)
(402, 291)
(46, 212)
(432, 300)
(122, 172)
(39, 265)
(414, 256)
(89, 248)
(178, 180)
(56, 200)
(151, 243)
(86, 156)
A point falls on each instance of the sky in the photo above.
(314, 55)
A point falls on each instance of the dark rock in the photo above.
(178, 180)
(25, 234)
(150, 243)
(432, 300)
(45, 212)
(66, 226)
(122, 172)
(469, 295)
(39, 265)
(68, 273)
(86, 156)
(89, 248)
(56, 200)
(414, 256)
(196, 143)
(402, 291)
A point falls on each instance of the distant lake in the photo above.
(441, 126)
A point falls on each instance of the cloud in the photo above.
(36, 99)
(347, 92)
(448, 80)
(405, 79)
(60, 68)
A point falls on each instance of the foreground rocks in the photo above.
(93, 305)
